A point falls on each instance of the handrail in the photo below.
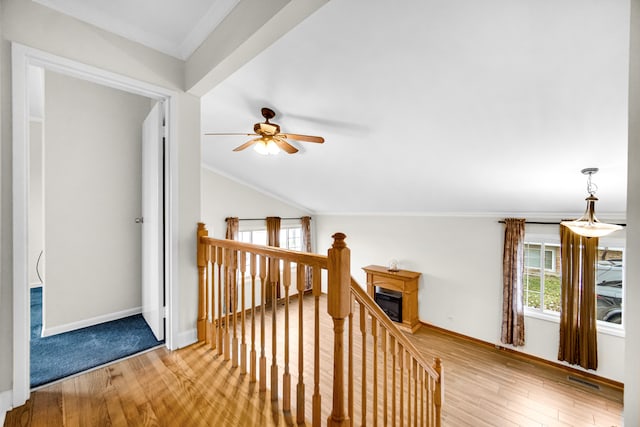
(306, 258)
(365, 299)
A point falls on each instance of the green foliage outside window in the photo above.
(551, 292)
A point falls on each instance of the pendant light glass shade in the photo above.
(588, 225)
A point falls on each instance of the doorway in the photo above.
(23, 57)
(85, 201)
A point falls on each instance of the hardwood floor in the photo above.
(195, 387)
(489, 387)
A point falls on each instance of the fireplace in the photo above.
(390, 302)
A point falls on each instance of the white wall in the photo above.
(223, 197)
(460, 289)
(6, 312)
(36, 204)
(31, 24)
(632, 311)
(92, 164)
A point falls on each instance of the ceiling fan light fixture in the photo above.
(588, 225)
(269, 139)
(266, 147)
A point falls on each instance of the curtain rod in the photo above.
(264, 219)
(547, 222)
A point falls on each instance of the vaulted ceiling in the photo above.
(427, 106)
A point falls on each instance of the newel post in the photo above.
(338, 306)
(202, 282)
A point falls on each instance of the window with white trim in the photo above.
(609, 284)
(542, 279)
(542, 276)
(290, 237)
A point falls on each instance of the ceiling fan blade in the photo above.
(285, 146)
(225, 134)
(306, 138)
(247, 144)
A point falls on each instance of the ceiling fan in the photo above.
(269, 138)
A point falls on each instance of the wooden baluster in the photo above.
(300, 283)
(338, 306)
(211, 326)
(219, 262)
(401, 366)
(263, 358)
(350, 402)
(385, 387)
(438, 392)
(374, 333)
(363, 391)
(432, 406)
(233, 295)
(414, 373)
(427, 400)
(227, 300)
(208, 326)
(286, 377)
(243, 308)
(252, 355)
(422, 396)
(317, 398)
(408, 365)
(274, 279)
(202, 292)
(392, 348)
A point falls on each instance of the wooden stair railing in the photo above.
(398, 387)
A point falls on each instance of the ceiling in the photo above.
(460, 107)
(176, 28)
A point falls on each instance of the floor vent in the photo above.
(583, 382)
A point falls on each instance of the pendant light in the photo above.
(588, 225)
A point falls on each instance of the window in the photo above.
(542, 276)
(257, 237)
(534, 258)
(290, 237)
(542, 280)
(609, 290)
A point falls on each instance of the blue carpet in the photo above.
(65, 354)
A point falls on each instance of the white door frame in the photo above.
(22, 57)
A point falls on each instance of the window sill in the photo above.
(603, 327)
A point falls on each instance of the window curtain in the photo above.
(512, 287)
(233, 224)
(273, 239)
(578, 334)
(273, 231)
(305, 223)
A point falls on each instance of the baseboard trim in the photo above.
(55, 330)
(515, 353)
(6, 398)
(187, 338)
